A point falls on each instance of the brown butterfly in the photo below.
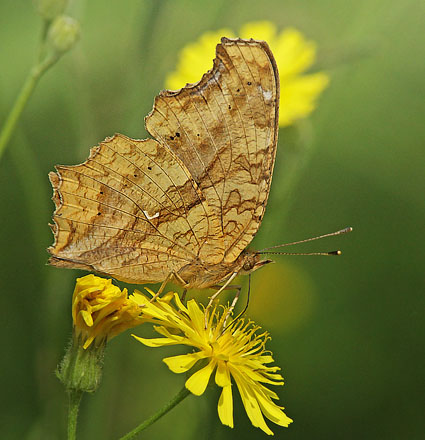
(186, 204)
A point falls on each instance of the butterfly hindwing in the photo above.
(131, 211)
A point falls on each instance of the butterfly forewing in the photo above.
(224, 129)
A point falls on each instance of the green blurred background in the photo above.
(348, 332)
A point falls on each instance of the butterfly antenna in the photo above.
(326, 254)
(340, 232)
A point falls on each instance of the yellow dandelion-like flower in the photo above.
(236, 355)
(101, 311)
(293, 53)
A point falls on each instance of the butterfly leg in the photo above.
(213, 297)
(232, 306)
(235, 300)
(238, 289)
(164, 283)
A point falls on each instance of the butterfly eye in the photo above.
(247, 266)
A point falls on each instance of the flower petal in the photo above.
(299, 96)
(222, 375)
(225, 406)
(179, 303)
(156, 342)
(181, 363)
(197, 383)
(87, 317)
(273, 412)
(259, 375)
(294, 54)
(138, 297)
(196, 315)
(250, 403)
(259, 30)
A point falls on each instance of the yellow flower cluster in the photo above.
(294, 55)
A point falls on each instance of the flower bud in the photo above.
(49, 9)
(63, 33)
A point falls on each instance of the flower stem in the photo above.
(22, 99)
(74, 403)
(181, 395)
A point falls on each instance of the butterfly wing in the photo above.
(131, 211)
(137, 210)
(224, 129)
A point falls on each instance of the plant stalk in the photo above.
(181, 395)
(74, 404)
(22, 100)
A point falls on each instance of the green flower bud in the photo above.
(63, 33)
(50, 9)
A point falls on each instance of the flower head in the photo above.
(293, 53)
(235, 354)
(101, 311)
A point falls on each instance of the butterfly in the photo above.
(186, 203)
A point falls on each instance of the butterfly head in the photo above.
(252, 261)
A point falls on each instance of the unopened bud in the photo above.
(63, 33)
(49, 9)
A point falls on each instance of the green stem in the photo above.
(42, 47)
(74, 404)
(182, 394)
(22, 99)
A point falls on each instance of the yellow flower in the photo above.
(237, 353)
(293, 53)
(101, 311)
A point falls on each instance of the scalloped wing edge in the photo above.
(56, 182)
(210, 73)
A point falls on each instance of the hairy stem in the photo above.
(74, 404)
